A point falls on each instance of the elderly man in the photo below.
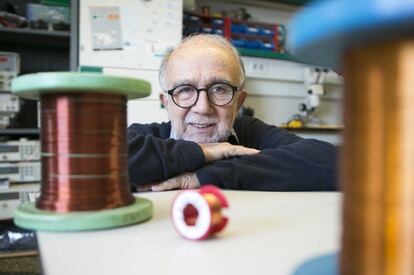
(204, 142)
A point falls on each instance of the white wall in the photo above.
(143, 110)
(276, 91)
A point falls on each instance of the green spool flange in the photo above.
(29, 217)
(32, 85)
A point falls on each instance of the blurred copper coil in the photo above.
(378, 160)
(84, 152)
(215, 206)
(190, 212)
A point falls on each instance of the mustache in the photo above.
(200, 119)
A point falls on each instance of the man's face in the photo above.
(200, 66)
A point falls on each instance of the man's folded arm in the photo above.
(304, 165)
(153, 159)
(286, 162)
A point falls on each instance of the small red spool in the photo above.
(196, 214)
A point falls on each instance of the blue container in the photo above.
(253, 44)
(267, 32)
(194, 19)
(218, 22)
(239, 43)
(253, 30)
(206, 30)
(193, 30)
(238, 28)
(218, 31)
(268, 46)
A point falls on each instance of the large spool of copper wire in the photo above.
(373, 45)
(378, 184)
(84, 152)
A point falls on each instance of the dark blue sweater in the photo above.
(286, 162)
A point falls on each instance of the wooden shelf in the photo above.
(14, 254)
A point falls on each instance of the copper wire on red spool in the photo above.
(84, 152)
(197, 214)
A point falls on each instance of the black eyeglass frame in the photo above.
(234, 89)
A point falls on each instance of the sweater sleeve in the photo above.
(286, 163)
(152, 159)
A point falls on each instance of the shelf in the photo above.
(14, 254)
(32, 187)
(274, 4)
(319, 128)
(242, 34)
(26, 36)
(34, 132)
(266, 54)
(294, 2)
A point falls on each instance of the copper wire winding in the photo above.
(378, 158)
(191, 213)
(84, 152)
(215, 206)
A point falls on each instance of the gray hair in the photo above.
(213, 39)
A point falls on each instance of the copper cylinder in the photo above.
(377, 175)
(84, 152)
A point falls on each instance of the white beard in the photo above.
(223, 129)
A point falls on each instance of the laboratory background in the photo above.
(128, 38)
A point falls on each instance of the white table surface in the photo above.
(268, 233)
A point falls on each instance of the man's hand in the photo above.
(184, 181)
(223, 150)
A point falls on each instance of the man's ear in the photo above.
(241, 99)
(164, 99)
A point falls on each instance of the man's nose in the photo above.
(203, 105)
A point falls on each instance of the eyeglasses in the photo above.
(218, 93)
